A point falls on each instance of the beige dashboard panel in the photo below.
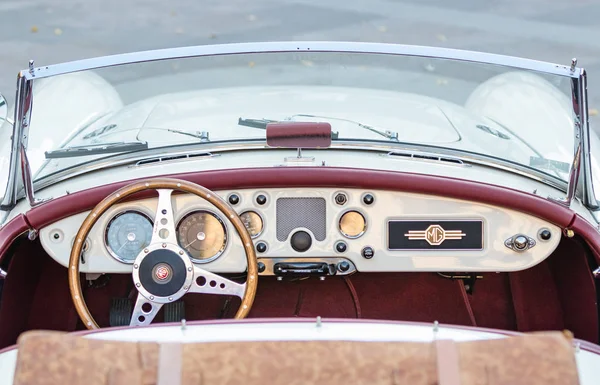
(318, 212)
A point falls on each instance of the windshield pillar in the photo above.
(589, 197)
(19, 166)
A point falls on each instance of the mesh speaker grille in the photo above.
(301, 212)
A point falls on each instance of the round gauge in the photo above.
(253, 223)
(202, 234)
(127, 234)
(352, 224)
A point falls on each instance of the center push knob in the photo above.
(301, 241)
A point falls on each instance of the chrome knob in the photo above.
(520, 242)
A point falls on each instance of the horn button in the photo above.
(162, 272)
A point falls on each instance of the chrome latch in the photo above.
(519, 242)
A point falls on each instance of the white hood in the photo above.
(415, 118)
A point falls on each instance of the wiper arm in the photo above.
(202, 135)
(262, 124)
(391, 135)
(95, 149)
(255, 123)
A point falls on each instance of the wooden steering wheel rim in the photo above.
(155, 184)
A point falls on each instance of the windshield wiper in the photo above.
(262, 123)
(202, 135)
(95, 149)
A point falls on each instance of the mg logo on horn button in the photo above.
(162, 272)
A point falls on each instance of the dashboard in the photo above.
(321, 231)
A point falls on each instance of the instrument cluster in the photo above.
(323, 231)
(202, 233)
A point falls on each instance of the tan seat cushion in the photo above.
(58, 358)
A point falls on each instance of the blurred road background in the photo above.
(52, 31)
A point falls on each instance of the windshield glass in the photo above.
(518, 116)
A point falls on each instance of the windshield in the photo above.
(517, 116)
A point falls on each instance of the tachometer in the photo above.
(202, 234)
(253, 223)
(127, 234)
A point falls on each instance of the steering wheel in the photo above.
(163, 272)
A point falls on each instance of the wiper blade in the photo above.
(95, 149)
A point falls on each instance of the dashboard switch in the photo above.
(368, 199)
(341, 247)
(261, 247)
(301, 241)
(519, 242)
(343, 266)
(367, 252)
(545, 234)
(341, 199)
(261, 267)
(234, 199)
(261, 199)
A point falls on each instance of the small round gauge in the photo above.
(127, 234)
(253, 223)
(202, 234)
(352, 224)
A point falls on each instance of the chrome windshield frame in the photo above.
(20, 173)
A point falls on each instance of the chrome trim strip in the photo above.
(128, 159)
(579, 118)
(27, 181)
(300, 46)
(589, 196)
(14, 183)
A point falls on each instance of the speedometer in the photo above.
(202, 234)
(127, 234)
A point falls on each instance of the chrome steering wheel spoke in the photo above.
(206, 282)
(164, 222)
(144, 311)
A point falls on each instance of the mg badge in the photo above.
(162, 273)
(435, 235)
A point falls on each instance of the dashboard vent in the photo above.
(173, 158)
(427, 157)
(308, 213)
